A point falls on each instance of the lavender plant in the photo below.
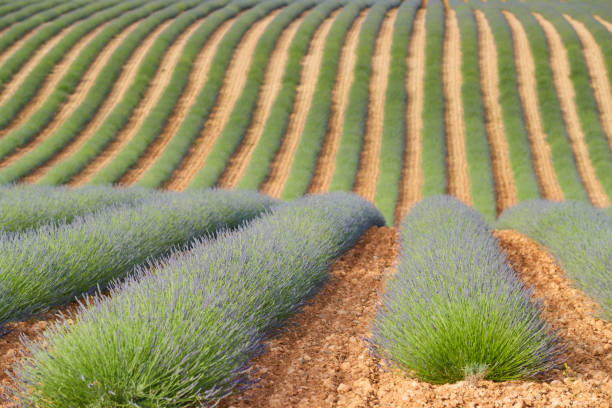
(26, 206)
(53, 264)
(183, 335)
(456, 310)
(577, 234)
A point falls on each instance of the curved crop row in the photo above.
(356, 114)
(53, 264)
(452, 315)
(24, 207)
(134, 149)
(80, 167)
(393, 141)
(17, 12)
(278, 119)
(579, 237)
(317, 121)
(550, 108)
(214, 306)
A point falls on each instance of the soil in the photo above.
(121, 86)
(270, 88)
(598, 72)
(197, 79)
(235, 78)
(369, 163)
(326, 165)
(565, 90)
(8, 52)
(74, 100)
(605, 23)
(311, 65)
(156, 88)
(528, 92)
(456, 157)
(411, 184)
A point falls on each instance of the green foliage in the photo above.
(16, 12)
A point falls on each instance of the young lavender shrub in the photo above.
(182, 333)
(456, 310)
(27, 206)
(577, 234)
(53, 264)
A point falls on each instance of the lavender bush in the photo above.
(27, 206)
(51, 265)
(455, 309)
(578, 235)
(182, 335)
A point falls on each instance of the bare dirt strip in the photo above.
(197, 79)
(326, 165)
(311, 65)
(605, 23)
(528, 92)
(369, 163)
(121, 86)
(233, 83)
(411, 184)
(272, 84)
(74, 100)
(321, 358)
(452, 78)
(505, 186)
(152, 95)
(8, 52)
(15, 82)
(565, 89)
(598, 72)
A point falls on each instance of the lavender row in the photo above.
(26, 206)
(456, 310)
(183, 335)
(577, 234)
(53, 264)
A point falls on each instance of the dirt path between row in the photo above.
(369, 163)
(505, 186)
(121, 86)
(235, 78)
(565, 89)
(20, 76)
(271, 86)
(605, 23)
(456, 156)
(599, 74)
(155, 90)
(528, 92)
(197, 78)
(74, 100)
(311, 65)
(10, 51)
(326, 165)
(411, 185)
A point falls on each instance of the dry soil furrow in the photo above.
(235, 78)
(412, 173)
(565, 89)
(123, 83)
(197, 79)
(8, 53)
(270, 88)
(598, 72)
(528, 91)
(605, 23)
(340, 98)
(15, 82)
(369, 163)
(505, 187)
(311, 65)
(151, 97)
(50, 83)
(456, 155)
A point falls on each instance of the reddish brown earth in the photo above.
(321, 359)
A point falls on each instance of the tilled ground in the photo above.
(322, 358)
